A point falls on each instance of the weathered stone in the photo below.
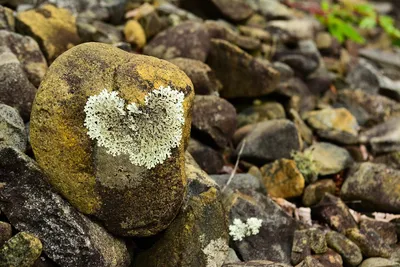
(21, 250)
(5, 232)
(378, 262)
(257, 33)
(370, 242)
(314, 192)
(392, 160)
(364, 76)
(241, 74)
(28, 53)
(93, 180)
(15, 88)
(202, 76)
(304, 131)
(368, 109)
(272, 9)
(386, 230)
(98, 31)
(350, 252)
(373, 184)
(189, 40)
(334, 212)
(306, 242)
(262, 112)
(213, 119)
(383, 57)
(193, 238)
(259, 263)
(135, 34)
(7, 20)
(328, 158)
(53, 28)
(231, 257)
(302, 63)
(68, 237)
(299, 28)
(240, 181)
(282, 179)
(270, 140)
(329, 259)
(218, 30)
(209, 160)
(274, 241)
(384, 137)
(334, 124)
(12, 128)
(233, 9)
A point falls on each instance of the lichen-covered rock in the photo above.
(5, 232)
(261, 112)
(21, 250)
(334, 212)
(334, 124)
(198, 236)
(387, 230)
(350, 252)
(68, 237)
(274, 241)
(7, 20)
(209, 159)
(28, 53)
(135, 34)
(12, 128)
(110, 187)
(98, 31)
(373, 184)
(202, 76)
(328, 158)
(314, 192)
(306, 242)
(241, 74)
(214, 119)
(270, 140)
(15, 88)
(370, 242)
(188, 39)
(53, 28)
(282, 179)
(378, 262)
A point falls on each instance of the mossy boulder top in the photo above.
(131, 200)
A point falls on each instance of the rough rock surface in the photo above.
(209, 159)
(83, 173)
(21, 250)
(69, 238)
(12, 128)
(314, 192)
(350, 252)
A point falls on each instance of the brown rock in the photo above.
(316, 191)
(209, 160)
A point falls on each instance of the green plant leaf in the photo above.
(352, 33)
(365, 9)
(325, 5)
(368, 23)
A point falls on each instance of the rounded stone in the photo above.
(134, 34)
(21, 250)
(130, 200)
(12, 128)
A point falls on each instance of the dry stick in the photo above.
(236, 166)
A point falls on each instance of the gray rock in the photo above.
(214, 119)
(202, 76)
(298, 28)
(241, 74)
(262, 112)
(272, 9)
(209, 160)
(303, 63)
(240, 181)
(270, 140)
(274, 241)
(69, 238)
(328, 158)
(12, 128)
(189, 39)
(314, 192)
(27, 50)
(15, 88)
(7, 20)
(381, 57)
(350, 252)
(334, 212)
(98, 31)
(370, 242)
(231, 257)
(379, 262)
(364, 76)
(386, 230)
(258, 263)
(384, 137)
(373, 184)
(306, 242)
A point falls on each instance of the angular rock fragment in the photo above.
(21, 250)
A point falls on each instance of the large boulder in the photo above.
(113, 179)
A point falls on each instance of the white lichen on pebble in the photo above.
(239, 230)
(216, 252)
(145, 133)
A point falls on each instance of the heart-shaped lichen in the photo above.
(147, 133)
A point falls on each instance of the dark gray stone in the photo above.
(209, 159)
(12, 128)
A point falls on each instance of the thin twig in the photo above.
(236, 166)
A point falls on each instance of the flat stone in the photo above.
(303, 63)
(314, 192)
(69, 238)
(370, 242)
(334, 124)
(98, 31)
(272, 9)
(7, 20)
(213, 119)
(240, 74)
(350, 252)
(364, 76)
(386, 58)
(12, 128)
(282, 179)
(53, 28)
(299, 28)
(375, 185)
(334, 212)
(202, 76)
(21, 250)
(240, 181)
(188, 39)
(236, 10)
(329, 158)
(378, 262)
(270, 140)
(386, 230)
(209, 159)
(261, 112)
